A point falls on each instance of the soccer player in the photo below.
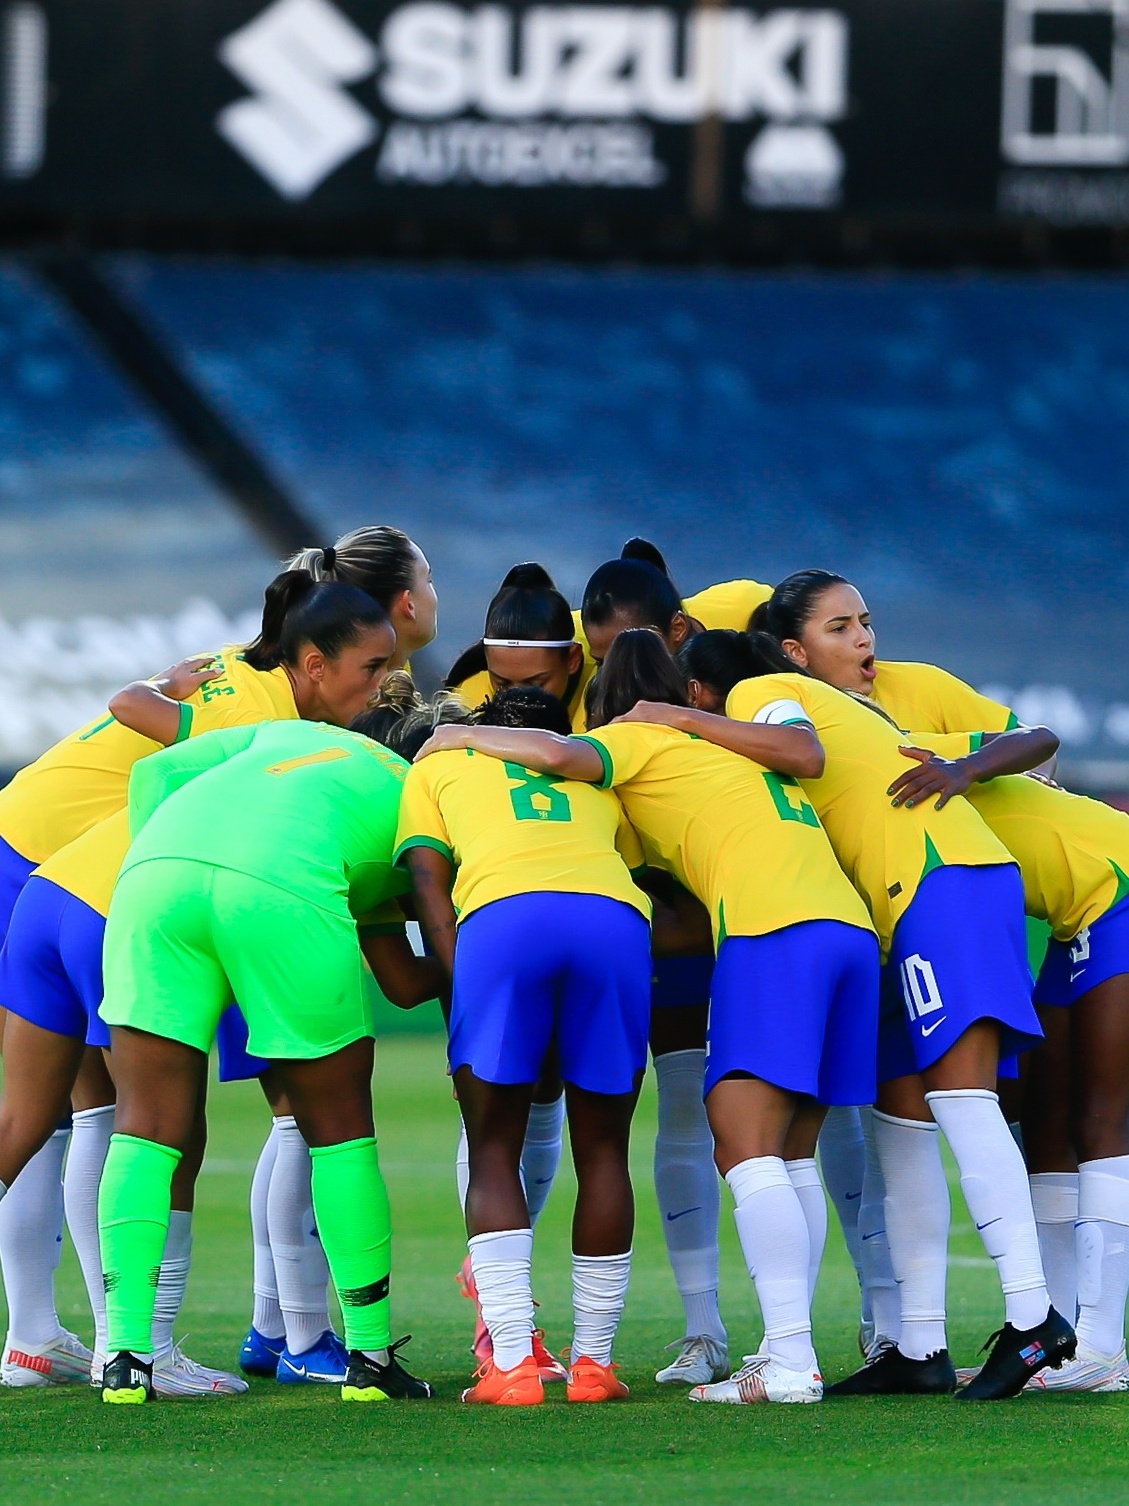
(553, 946)
(792, 935)
(946, 899)
(262, 905)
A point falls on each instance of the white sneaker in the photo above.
(1087, 1371)
(174, 1374)
(700, 1360)
(64, 1362)
(763, 1378)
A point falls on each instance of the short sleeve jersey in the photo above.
(477, 688)
(728, 605)
(924, 698)
(1073, 852)
(309, 808)
(84, 778)
(742, 839)
(886, 851)
(89, 866)
(510, 831)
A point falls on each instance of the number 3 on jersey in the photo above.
(536, 797)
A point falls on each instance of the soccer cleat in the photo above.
(65, 1361)
(369, 1380)
(483, 1346)
(260, 1354)
(699, 1361)
(1017, 1355)
(324, 1364)
(868, 1336)
(520, 1387)
(888, 1372)
(127, 1381)
(588, 1380)
(1087, 1371)
(174, 1374)
(548, 1366)
(762, 1378)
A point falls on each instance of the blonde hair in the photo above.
(378, 559)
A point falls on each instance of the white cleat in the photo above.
(64, 1362)
(175, 1375)
(1087, 1371)
(762, 1378)
(699, 1361)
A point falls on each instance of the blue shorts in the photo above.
(574, 969)
(236, 1063)
(1098, 953)
(51, 965)
(680, 980)
(959, 955)
(798, 1008)
(14, 874)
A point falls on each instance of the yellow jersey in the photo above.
(477, 688)
(929, 699)
(885, 851)
(510, 831)
(742, 839)
(728, 605)
(89, 866)
(1073, 852)
(85, 777)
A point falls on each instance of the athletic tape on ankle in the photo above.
(1101, 1196)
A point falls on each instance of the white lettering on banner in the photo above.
(1065, 101)
(529, 155)
(301, 125)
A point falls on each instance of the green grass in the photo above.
(280, 1443)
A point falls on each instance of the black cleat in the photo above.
(1017, 1355)
(127, 1380)
(368, 1380)
(891, 1373)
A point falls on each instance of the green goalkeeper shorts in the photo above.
(185, 939)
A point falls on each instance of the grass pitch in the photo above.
(283, 1443)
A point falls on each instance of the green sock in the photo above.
(133, 1224)
(355, 1225)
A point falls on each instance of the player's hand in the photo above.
(183, 679)
(444, 740)
(658, 713)
(944, 777)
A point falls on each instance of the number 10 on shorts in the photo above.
(920, 990)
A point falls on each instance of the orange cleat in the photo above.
(483, 1346)
(519, 1387)
(548, 1366)
(589, 1381)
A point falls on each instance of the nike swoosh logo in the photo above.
(672, 1216)
(541, 1181)
(875, 1235)
(851, 1196)
(1078, 974)
(929, 1029)
(299, 1370)
(989, 1224)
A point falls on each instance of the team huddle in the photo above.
(840, 901)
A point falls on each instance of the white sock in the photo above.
(804, 1177)
(1103, 1253)
(993, 1179)
(462, 1167)
(917, 1227)
(881, 1299)
(172, 1281)
(599, 1290)
(774, 1240)
(267, 1315)
(31, 1245)
(541, 1154)
(842, 1159)
(301, 1271)
(90, 1141)
(1054, 1200)
(686, 1185)
(502, 1264)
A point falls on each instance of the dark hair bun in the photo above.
(529, 577)
(758, 622)
(643, 549)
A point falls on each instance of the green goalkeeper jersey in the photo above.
(309, 808)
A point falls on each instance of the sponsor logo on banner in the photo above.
(568, 94)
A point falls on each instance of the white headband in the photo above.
(528, 642)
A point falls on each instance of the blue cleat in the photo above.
(260, 1355)
(325, 1364)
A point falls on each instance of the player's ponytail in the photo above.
(650, 554)
(638, 668)
(527, 609)
(635, 586)
(719, 659)
(298, 610)
(377, 559)
(793, 603)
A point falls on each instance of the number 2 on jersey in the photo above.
(531, 787)
(789, 802)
